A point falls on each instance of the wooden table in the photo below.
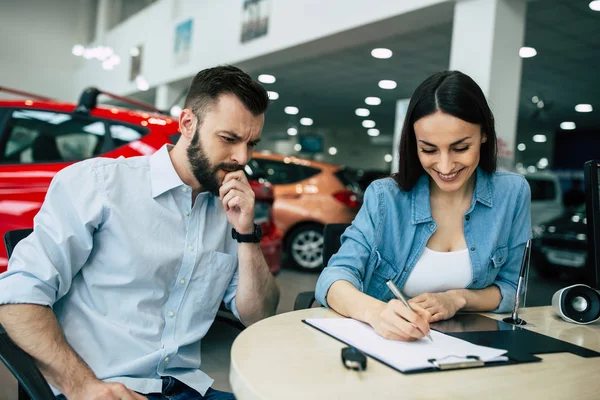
(283, 358)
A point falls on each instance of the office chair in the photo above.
(32, 384)
(331, 244)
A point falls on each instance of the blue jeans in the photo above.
(172, 389)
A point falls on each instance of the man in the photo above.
(131, 258)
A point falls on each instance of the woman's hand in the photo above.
(397, 322)
(440, 306)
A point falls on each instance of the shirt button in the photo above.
(171, 314)
(472, 248)
(166, 359)
(500, 259)
(187, 213)
(475, 281)
(191, 248)
(182, 281)
(468, 217)
(184, 190)
(431, 226)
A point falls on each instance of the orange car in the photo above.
(308, 195)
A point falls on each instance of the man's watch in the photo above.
(253, 237)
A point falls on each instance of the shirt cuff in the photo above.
(508, 297)
(23, 288)
(331, 275)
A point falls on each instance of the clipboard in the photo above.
(446, 363)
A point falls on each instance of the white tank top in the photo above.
(438, 271)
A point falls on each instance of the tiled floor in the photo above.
(216, 346)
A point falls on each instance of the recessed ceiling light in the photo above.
(387, 84)
(535, 99)
(539, 138)
(527, 52)
(388, 158)
(373, 132)
(521, 147)
(332, 151)
(584, 108)
(266, 78)
(373, 101)
(306, 121)
(540, 104)
(78, 50)
(543, 163)
(567, 125)
(272, 95)
(134, 51)
(531, 169)
(297, 147)
(381, 53)
(595, 5)
(292, 131)
(291, 110)
(367, 123)
(175, 111)
(362, 112)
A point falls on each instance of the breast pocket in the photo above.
(211, 279)
(383, 271)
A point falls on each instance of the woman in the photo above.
(448, 229)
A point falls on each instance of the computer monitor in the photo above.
(592, 194)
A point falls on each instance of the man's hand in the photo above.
(238, 200)
(441, 306)
(397, 322)
(98, 390)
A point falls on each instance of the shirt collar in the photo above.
(421, 206)
(163, 176)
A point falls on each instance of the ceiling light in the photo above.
(584, 108)
(362, 112)
(373, 132)
(388, 158)
(78, 50)
(521, 147)
(292, 131)
(539, 138)
(387, 84)
(543, 163)
(367, 123)
(381, 53)
(332, 151)
(297, 147)
(306, 121)
(531, 169)
(535, 99)
(291, 110)
(527, 52)
(540, 104)
(567, 125)
(595, 5)
(272, 95)
(265, 78)
(134, 51)
(175, 111)
(141, 83)
(373, 101)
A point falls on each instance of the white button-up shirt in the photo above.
(133, 280)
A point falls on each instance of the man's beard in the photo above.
(203, 171)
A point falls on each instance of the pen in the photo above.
(399, 295)
(524, 265)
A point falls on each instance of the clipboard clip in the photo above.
(462, 362)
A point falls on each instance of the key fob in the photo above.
(353, 359)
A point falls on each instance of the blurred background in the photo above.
(339, 75)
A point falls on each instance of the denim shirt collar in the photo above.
(421, 206)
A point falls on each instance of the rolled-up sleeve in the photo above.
(350, 262)
(508, 276)
(42, 266)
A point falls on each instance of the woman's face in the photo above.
(448, 149)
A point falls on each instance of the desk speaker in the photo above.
(579, 304)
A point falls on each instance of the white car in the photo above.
(546, 197)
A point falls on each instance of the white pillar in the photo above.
(165, 97)
(401, 107)
(103, 13)
(486, 38)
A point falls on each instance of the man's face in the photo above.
(223, 142)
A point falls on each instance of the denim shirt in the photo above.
(393, 226)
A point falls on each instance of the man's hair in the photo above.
(211, 83)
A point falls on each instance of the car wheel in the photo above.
(305, 247)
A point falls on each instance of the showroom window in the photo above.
(33, 136)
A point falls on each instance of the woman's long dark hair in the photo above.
(453, 93)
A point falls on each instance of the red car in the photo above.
(39, 137)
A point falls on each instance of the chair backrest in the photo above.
(32, 384)
(331, 241)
